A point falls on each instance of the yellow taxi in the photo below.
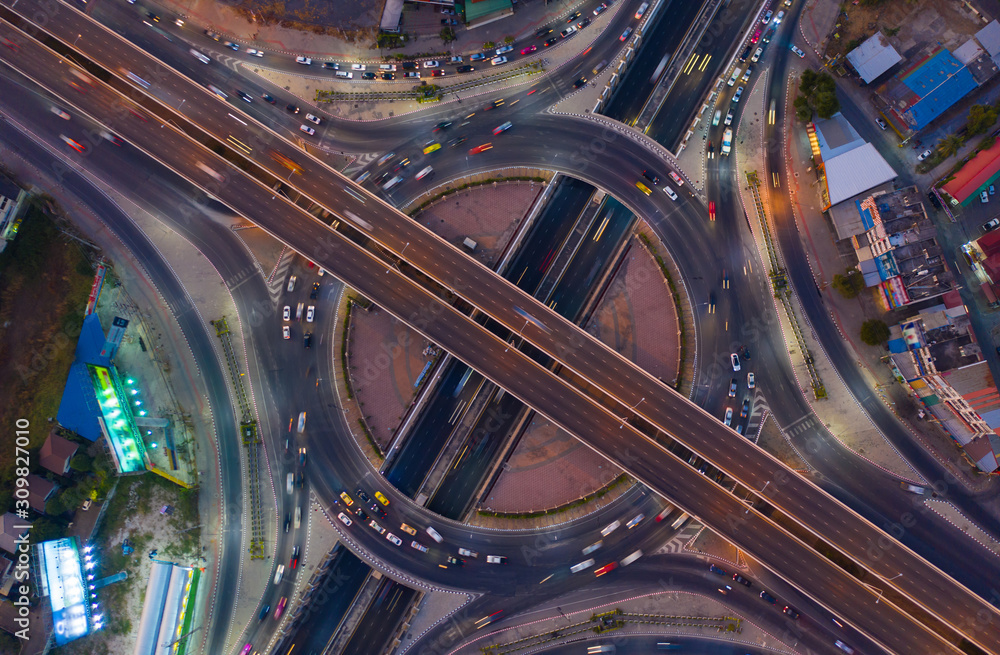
(408, 530)
(642, 187)
(347, 499)
(431, 147)
(382, 499)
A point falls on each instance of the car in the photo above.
(767, 17)
(797, 51)
(418, 546)
(568, 32)
(729, 118)
(380, 497)
(745, 408)
(881, 123)
(711, 209)
(642, 187)
(431, 64)
(268, 98)
(358, 67)
(264, 611)
(346, 498)
(465, 552)
(573, 16)
(482, 148)
(991, 225)
(652, 177)
(434, 534)
(768, 597)
(502, 128)
(844, 647)
(362, 495)
(992, 190)
(377, 509)
(280, 572)
(607, 568)
(79, 147)
(408, 529)
(453, 561)
(209, 33)
(310, 313)
(345, 519)
(496, 559)
(249, 647)
(600, 8)
(465, 69)
(288, 521)
(756, 36)
(529, 49)
(314, 119)
(676, 178)
(388, 76)
(585, 564)
(670, 192)
(370, 76)
(456, 59)
(153, 17)
(984, 197)
(542, 32)
(392, 183)
(551, 41)
(413, 75)
(743, 581)
(305, 61)
(716, 570)
(611, 527)
(314, 292)
(394, 539)
(376, 527)
(308, 130)
(732, 388)
(307, 339)
(734, 359)
(738, 94)
(86, 504)
(497, 61)
(756, 55)
(245, 97)
(592, 547)
(254, 52)
(502, 50)
(642, 10)
(292, 108)
(232, 46)
(59, 112)
(431, 146)
(293, 563)
(457, 141)
(424, 172)
(361, 514)
(924, 155)
(747, 74)
(582, 24)
(790, 612)
(779, 17)
(729, 416)
(625, 34)
(636, 520)
(443, 125)
(281, 607)
(286, 332)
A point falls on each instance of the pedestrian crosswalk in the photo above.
(758, 414)
(677, 543)
(360, 162)
(279, 276)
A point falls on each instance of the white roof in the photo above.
(855, 172)
(873, 57)
(989, 37)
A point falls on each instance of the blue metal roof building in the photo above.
(930, 87)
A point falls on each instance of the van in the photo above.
(735, 76)
(434, 534)
(670, 192)
(387, 67)
(201, 56)
(344, 75)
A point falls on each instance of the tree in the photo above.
(817, 92)
(56, 505)
(802, 109)
(82, 462)
(981, 118)
(807, 81)
(874, 332)
(447, 34)
(949, 145)
(508, 39)
(826, 104)
(850, 284)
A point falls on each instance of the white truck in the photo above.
(727, 141)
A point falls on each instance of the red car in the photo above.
(482, 148)
(294, 562)
(756, 36)
(607, 568)
(529, 49)
(711, 210)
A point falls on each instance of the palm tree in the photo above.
(949, 145)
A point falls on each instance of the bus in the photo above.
(680, 519)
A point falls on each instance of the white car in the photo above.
(286, 313)
(376, 527)
(496, 61)
(924, 155)
(734, 359)
(305, 61)
(286, 332)
(504, 49)
(432, 64)
(357, 67)
(756, 55)
(729, 416)
(314, 119)
(729, 119)
(465, 552)
(418, 546)
(751, 380)
(291, 283)
(394, 539)
(670, 192)
(585, 564)
(310, 313)
(434, 534)
(496, 559)
(345, 519)
(425, 172)
(984, 197)
(797, 51)
(308, 130)
(610, 528)
(280, 572)
(676, 178)
(767, 17)
(254, 52)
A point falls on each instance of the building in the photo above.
(39, 492)
(847, 165)
(965, 185)
(13, 200)
(873, 57)
(12, 528)
(481, 12)
(898, 252)
(983, 257)
(936, 356)
(920, 93)
(168, 596)
(56, 454)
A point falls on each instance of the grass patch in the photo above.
(677, 303)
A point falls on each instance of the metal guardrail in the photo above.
(250, 438)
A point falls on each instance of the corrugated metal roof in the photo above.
(855, 172)
(873, 57)
(989, 38)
